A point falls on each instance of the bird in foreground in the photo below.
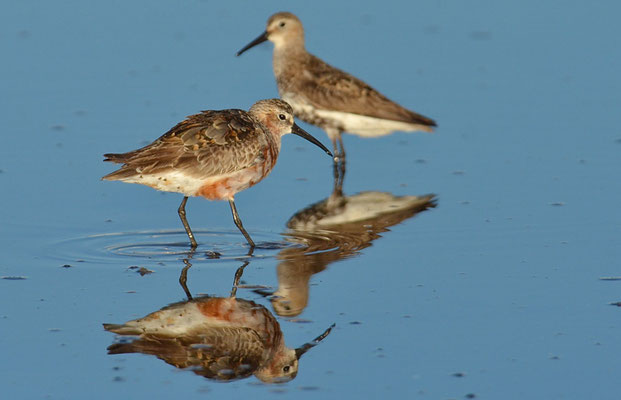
(327, 97)
(214, 154)
(221, 338)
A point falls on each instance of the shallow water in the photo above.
(498, 286)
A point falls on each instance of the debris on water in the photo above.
(54, 330)
(420, 161)
(558, 204)
(300, 321)
(14, 278)
(57, 127)
(67, 266)
(471, 396)
(355, 323)
(610, 278)
(555, 358)
(458, 374)
(308, 388)
(617, 303)
(141, 270)
(459, 172)
(212, 254)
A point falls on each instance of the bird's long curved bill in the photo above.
(262, 38)
(306, 347)
(302, 133)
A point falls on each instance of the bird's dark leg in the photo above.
(184, 221)
(239, 223)
(339, 161)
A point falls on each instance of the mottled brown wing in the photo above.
(329, 88)
(206, 144)
(216, 353)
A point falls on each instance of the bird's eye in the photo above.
(282, 117)
(282, 24)
(286, 368)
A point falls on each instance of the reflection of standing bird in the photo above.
(326, 96)
(214, 154)
(334, 229)
(220, 338)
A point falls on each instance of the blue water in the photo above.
(495, 292)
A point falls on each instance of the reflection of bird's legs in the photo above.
(238, 275)
(183, 278)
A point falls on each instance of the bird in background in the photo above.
(327, 97)
(214, 154)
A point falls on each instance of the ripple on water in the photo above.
(163, 246)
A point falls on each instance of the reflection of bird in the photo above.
(326, 96)
(214, 154)
(218, 338)
(331, 230)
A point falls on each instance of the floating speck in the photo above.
(118, 379)
(458, 374)
(57, 127)
(420, 161)
(557, 204)
(471, 396)
(355, 323)
(54, 330)
(14, 278)
(459, 172)
(555, 358)
(212, 254)
(618, 304)
(144, 271)
(610, 278)
(67, 266)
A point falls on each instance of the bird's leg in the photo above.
(184, 221)
(342, 152)
(339, 161)
(239, 223)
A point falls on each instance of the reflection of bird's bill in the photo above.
(303, 134)
(260, 39)
(307, 346)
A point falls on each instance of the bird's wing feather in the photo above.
(327, 87)
(213, 140)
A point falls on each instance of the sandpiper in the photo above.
(327, 97)
(214, 154)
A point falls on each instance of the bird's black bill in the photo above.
(302, 133)
(262, 38)
(306, 347)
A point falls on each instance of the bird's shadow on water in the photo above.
(219, 338)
